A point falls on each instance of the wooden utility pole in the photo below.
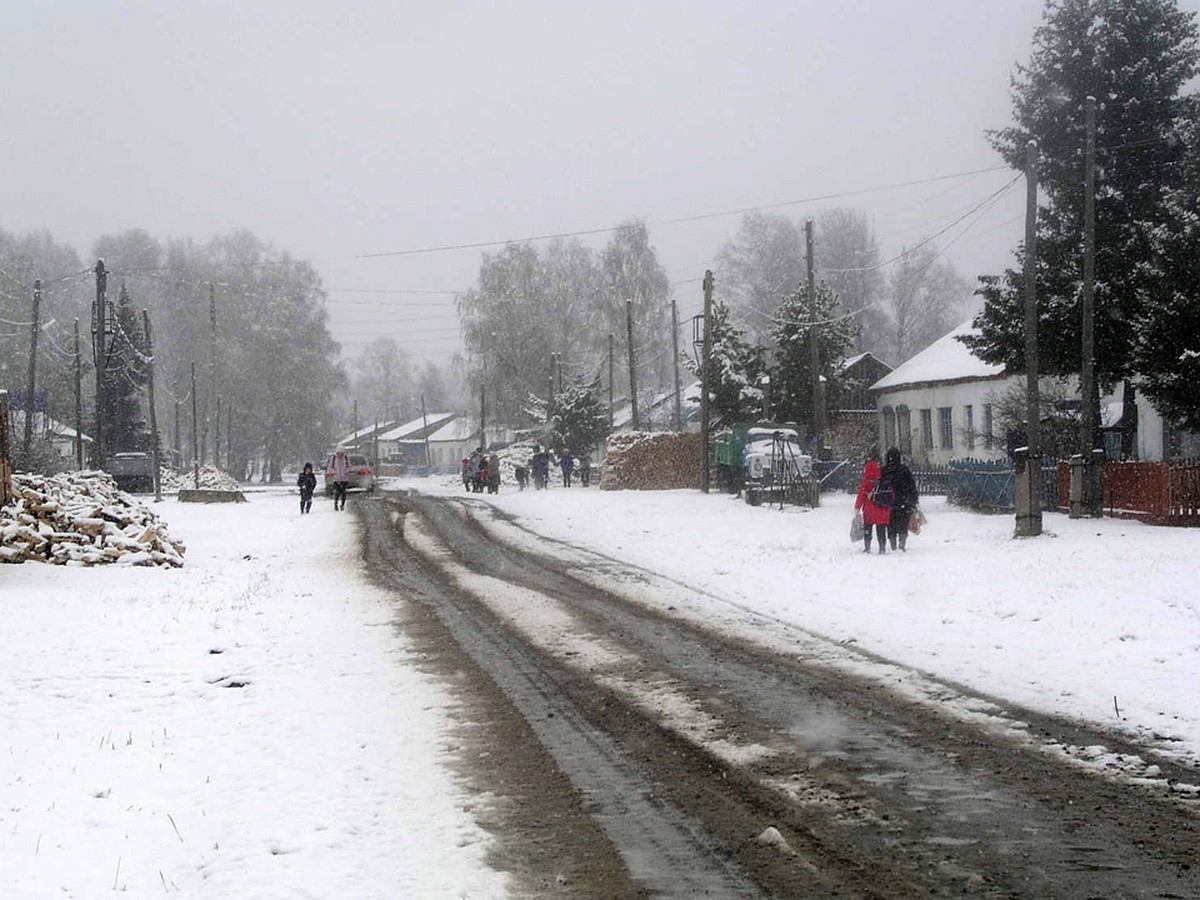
(35, 327)
(100, 351)
(1089, 407)
(178, 430)
(195, 430)
(705, 359)
(612, 368)
(814, 349)
(153, 413)
(425, 431)
(354, 426)
(675, 353)
(483, 416)
(229, 437)
(78, 402)
(211, 400)
(1029, 512)
(633, 408)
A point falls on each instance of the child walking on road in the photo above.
(307, 482)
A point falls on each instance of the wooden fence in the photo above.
(1162, 493)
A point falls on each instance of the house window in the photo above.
(889, 427)
(904, 430)
(945, 428)
(987, 425)
(969, 411)
(927, 429)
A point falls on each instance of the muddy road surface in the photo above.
(628, 747)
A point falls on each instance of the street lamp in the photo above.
(765, 384)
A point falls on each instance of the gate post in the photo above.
(1026, 470)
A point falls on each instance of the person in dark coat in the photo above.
(567, 464)
(541, 467)
(905, 486)
(307, 482)
(585, 469)
(873, 514)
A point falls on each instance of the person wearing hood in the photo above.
(873, 514)
(905, 486)
(307, 482)
(339, 470)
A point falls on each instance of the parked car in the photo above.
(131, 471)
(361, 476)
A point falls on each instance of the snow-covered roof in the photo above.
(44, 425)
(946, 359)
(413, 428)
(457, 429)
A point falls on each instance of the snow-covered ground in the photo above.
(129, 756)
(1097, 620)
(250, 725)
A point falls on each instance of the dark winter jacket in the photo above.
(872, 514)
(902, 481)
(307, 482)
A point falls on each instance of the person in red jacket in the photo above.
(873, 514)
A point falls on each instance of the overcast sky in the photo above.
(337, 130)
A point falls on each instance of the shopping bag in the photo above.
(856, 527)
(916, 521)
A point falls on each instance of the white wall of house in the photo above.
(945, 420)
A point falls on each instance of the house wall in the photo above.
(934, 449)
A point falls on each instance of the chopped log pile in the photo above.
(82, 519)
(642, 461)
(211, 479)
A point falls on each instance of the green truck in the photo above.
(765, 462)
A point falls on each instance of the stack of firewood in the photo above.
(82, 519)
(211, 479)
(642, 461)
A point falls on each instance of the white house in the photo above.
(62, 437)
(938, 405)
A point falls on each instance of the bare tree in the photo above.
(925, 299)
(847, 260)
(763, 263)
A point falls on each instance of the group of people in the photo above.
(480, 471)
(887, 498)
(339, 472)
(568, 465)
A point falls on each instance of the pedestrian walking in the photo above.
(585, 469)
(875, 512)
(904, 485)
(493, 479)
(521, 473)
(567, 465)
(541, 468)
(307, 482)
(339, 471)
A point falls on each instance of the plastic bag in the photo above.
(856, 527)
(916, 521)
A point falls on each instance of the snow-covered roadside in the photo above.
(250, 725)
(1095, 620)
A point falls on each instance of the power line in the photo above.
(734, 212)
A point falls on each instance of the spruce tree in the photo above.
(1134, 57)
(125, 382)
(791, 376)
(734, 391)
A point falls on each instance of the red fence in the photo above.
(1166, 493)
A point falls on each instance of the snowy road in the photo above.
(778, 765)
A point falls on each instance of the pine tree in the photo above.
(577, 418)
(791, 378)
(1134, 57)
(125, 426)
(734, 391)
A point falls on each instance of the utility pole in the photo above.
(229, 437)
(675, 352)
(612, 368)
(153, 413)
(1029, 464)
(425, 431)
(354, 426)
(1089, 408)
(814, 349)
(195, 430)
(31, 385)
(178, 432)
(100, 352)
(483, 416)
(633, 409)
(705, 356)
(211, 401)
(78, 402)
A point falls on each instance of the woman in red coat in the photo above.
(873, 514)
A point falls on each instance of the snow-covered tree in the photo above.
(577, 418)
(925, 299)
(1135, 57)
(125, 380)
(631, 271)
(735, 383)
(764, 262)
(791, 375)
(847, 259)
